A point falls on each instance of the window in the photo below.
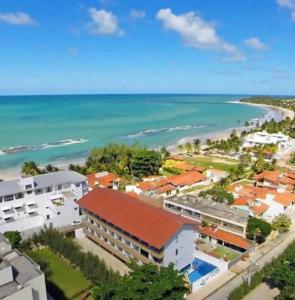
(48, 189)
(59, 187)
(75, 208)
(77, 184)
(8, 198)
(38, 192)
(58, 213)
(19, 196)
(29, 192)
(144, 253)
(28, 186)
(176, 252)
(48, 217)
(1, 199)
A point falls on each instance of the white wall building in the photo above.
(263, 138)
(27, 204)
(20, 278)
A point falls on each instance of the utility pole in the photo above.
(250, 272)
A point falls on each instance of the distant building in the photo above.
(262, 202)
(20, 278)
(29, 203)
(263, 138)
(131, 229)
(276, 180)
(104, 180)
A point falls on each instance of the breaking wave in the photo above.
(62, 143)
(149, 132)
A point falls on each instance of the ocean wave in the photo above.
(61, 143)
(149, 132)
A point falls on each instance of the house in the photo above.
(20, 277)
(168, 186)
(276, 180)
(104, 180)
(215, 175)
(264, 138)
(132, 229)
(264, 202)
(185, 167)
(29, 203)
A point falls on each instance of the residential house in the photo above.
(103, 179)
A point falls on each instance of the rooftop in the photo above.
(103, 179)
(41, 181)
(210, 207)
(24, 269)
(152, 225)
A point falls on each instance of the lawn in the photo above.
(221, 251)
(208, 162)
(62, 282)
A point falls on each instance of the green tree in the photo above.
(197, 146)
(146, 282)
(258, 229)
(30, 168)
(287, 293)
(180, 148)
(13, 237)
(281, 223)
(188, 147)
(245, 159)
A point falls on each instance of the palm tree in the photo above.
(188, 147)
(197, 145)
(180, 148)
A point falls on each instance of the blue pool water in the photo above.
(202, 268)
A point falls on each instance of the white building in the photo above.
(263, 138)
(27, 204)
(131, 229)
(20, 278)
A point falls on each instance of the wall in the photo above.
(184, 241)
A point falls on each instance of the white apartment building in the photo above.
(30, 203)
(263, 138)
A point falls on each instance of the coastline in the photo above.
(278, 113)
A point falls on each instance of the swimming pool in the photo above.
(201, 268)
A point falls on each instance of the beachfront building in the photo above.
(219, 224)
(103, 179)
(276, 180)
(20, 276)
(262, 202)
(264, 138)
(131, 229)
(29, 203)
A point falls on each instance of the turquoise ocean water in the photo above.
(57, 128)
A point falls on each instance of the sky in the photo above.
(163, 46)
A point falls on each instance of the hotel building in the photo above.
(29, 203)
(131, 229)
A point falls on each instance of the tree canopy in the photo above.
(13, 237)
(258, 229)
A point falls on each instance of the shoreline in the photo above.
(14, 172)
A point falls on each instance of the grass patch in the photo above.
(208, 162)
(63, 282)
(222, 251)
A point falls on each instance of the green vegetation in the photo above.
(223, 252)
(30, 168)
(13, 237)
(128, 161)
(257, 229)
(218, 195)
(292, 159)
(208, 162)
(144, 282)
(63, 281)
(281, 223)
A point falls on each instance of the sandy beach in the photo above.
(224, 134)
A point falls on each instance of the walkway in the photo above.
(111, 261)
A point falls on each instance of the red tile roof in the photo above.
(153, 225)
(227, 237)
(107, 180)
(182, 165)
(187, 178)
(276, 177)
(259, 209)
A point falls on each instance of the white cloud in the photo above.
(256, 43)
(103, 23)
(198, 33)
(286, 4)
(137, 14)
(18, 18)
